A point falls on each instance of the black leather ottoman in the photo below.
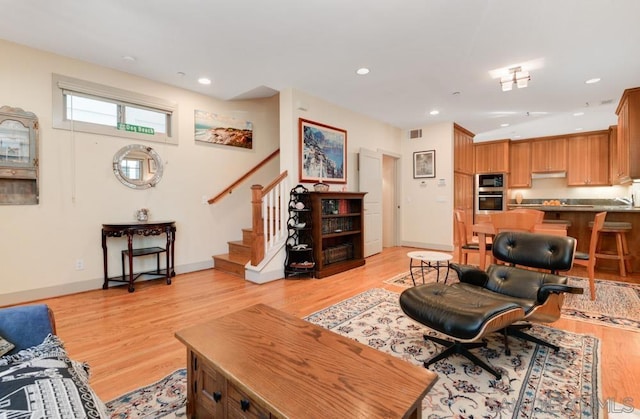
(459, 314)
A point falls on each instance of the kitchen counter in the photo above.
(577, 207)
(579, 216)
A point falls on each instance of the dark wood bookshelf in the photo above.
(337, 229)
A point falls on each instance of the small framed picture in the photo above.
(424, 164)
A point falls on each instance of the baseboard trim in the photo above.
(21, 297)
(430, 246)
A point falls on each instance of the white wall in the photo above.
(41, 243)
(362, 132)
(427, 204)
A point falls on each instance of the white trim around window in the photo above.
(63, 87)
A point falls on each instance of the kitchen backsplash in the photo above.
(545, 189)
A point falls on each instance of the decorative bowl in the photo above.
(321, 187)
(300, 225)
(299, 205)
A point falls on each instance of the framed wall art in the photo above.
(323, 153)
(424, 164)
(224, 130)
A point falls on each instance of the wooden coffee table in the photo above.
(261, 362)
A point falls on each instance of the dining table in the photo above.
(485, 229)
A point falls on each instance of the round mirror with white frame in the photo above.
(138, 166)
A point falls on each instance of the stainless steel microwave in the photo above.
(492, 180)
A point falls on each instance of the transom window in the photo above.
(89, 107)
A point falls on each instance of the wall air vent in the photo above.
(415, 133)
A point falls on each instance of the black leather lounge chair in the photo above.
(485, 302)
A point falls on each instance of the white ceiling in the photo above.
(419, 51)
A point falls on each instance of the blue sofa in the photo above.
(26, 326)
(40, 362)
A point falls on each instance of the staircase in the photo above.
(238, 256)
(263, 242)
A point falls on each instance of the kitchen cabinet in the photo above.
(492, 157)
(520, 164)
(462, 150)
(613, 154)
(549, 154)
(463, 199)
(628, 136)
(588, 159)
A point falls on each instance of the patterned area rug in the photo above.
(536, 383)
(617, 304)
(165, 398)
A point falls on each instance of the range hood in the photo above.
(548, 175)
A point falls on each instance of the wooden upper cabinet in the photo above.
(628, 136)
(549, 155)
(520, 164)
(588, 159)
(462, 150)
(613, 154)
(492, 157)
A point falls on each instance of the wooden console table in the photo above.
(130, 230)
(261, 362)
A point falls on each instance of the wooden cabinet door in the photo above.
(598, 148)
(462, 150)
(463, 199)
(492, 157)
(588, 160)
(209, 395)
(623, 143)
(613, 154)
(520, 164)
(549, 155)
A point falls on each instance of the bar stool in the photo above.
(619, 229)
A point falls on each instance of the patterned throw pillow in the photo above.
(5, 346)
(43, 382)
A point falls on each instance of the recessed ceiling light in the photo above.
(129, 58)
(362, 71)
(504, 125)
(578, 129)
(434, 112)
(578, 114)
(593, 80)
(180, 74)
(204, 80)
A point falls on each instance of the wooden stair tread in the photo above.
(233, 258)
(230, 264)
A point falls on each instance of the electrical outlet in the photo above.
(79, 264)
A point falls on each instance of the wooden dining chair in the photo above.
(514, 221)
(588, 260)
(538, 213)
(465, 246)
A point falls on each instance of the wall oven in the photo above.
(490, 193)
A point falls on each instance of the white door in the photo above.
(370, 181)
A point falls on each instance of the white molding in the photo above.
(83, 286)
(431, 246)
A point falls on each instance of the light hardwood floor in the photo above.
(128, 338)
